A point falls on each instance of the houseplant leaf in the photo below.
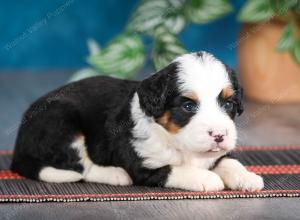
(296, 7)
(287, 39)
(282, 7)
(296, 52)
(256, 11)
(166, 48)
(152, 13)
(121, 58)
(204, 11)
(84, 73)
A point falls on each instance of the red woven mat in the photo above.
(280, 167)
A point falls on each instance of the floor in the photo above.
(261, 124)
(259, 209)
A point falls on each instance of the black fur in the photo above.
(159, 89)
(177, 113)
(238, 96)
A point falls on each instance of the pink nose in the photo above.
(217, 137)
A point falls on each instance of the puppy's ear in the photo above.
(154, 91)
(237, 88)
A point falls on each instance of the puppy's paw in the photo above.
(245, 181)
(237, 177)
(120, 177)
(194, 179)
(211, 182)
(108, 175)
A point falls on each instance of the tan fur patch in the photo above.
(192, 96)
(173, 128)
(170, 126)
(79, 139)
(227, 92)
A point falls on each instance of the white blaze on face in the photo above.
(205, 77)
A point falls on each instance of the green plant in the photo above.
(158, 20)
(256, 11)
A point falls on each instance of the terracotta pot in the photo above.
(267, 75)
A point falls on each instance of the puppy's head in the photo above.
(195, 99)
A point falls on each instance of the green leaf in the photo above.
(282, 7)
(122, 58)
(287, 39)
(93, 46)
(296, 7)
(166, 48)
(205, 11)
(296, 52)
(153, 13)
(256, 11)
(84, 73)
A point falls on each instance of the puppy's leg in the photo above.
(108, 175)
(237, 177)
(195, 179)
(51, 174)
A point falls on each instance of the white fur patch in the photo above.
(153, 142)
(237, 177)
(205, 76)
(53, 175)
(195, 179)
(199, 160)
(79, 145)
(108, 175)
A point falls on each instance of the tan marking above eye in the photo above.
(169, 125)
(191, 95)
(227, 92)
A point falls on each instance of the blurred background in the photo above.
(46, 44)
(38, 40)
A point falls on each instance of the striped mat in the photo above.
(279, 166)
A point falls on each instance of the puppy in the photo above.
(173, 129)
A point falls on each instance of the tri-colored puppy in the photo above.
(173, 129)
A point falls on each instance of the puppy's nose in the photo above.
(219, 138)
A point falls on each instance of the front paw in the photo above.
(245, 181)
(210, 182)
(194, 179)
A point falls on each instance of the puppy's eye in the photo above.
(189, 106)
(228, 106)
